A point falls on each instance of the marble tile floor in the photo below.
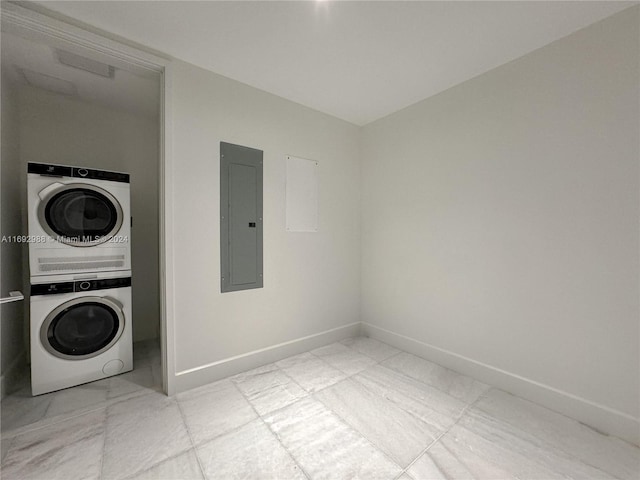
(356, 409)
(21, 412)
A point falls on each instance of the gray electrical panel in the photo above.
(240, 217)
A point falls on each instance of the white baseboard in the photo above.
(10, 376)
(597, 416)
(211, 372)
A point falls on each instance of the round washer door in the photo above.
(80, 215)
(82, 328)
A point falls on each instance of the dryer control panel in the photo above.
(79, 286)
(78, 172)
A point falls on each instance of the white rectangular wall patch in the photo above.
(302, 195)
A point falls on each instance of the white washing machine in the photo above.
(80, 329)
(79, 220)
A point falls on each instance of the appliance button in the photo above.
(83, 172)
(85, 285)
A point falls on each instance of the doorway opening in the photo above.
(73, 98)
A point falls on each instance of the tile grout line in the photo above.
(193, 446)
(557, 451)
(425, 383)
(295, 382)
(433, 442)
(313, 394)
(348, 375)
(25, 429)
(404, 470)
(239, 427)
(138, 472)
(437, 439)
(365, 354)
(104, 443)
(381, 363)
(318, 357)
(338, 416)
(392, 356)
(172, 457)
(270, 430)
(307, 391)
(377, 362)
(46, 410)
(10, 440)
(346, 424)
(43, 423)
(227, 432)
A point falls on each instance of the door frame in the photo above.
(42, 25)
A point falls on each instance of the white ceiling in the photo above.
(358, 61)
(126, 90)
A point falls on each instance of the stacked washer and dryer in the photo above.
(80, 270)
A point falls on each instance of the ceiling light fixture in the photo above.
(84, 63)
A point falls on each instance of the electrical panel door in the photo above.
(240, 217)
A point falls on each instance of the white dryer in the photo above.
(80, 329)
(79, 220)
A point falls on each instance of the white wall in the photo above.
(311, 280)
(59, 129)
(11, 278)
(500, 219)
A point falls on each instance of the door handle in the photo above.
(15, 296)
(85, 277)
(48, 189)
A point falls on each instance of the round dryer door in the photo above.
(82, 328)
(80, 215)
